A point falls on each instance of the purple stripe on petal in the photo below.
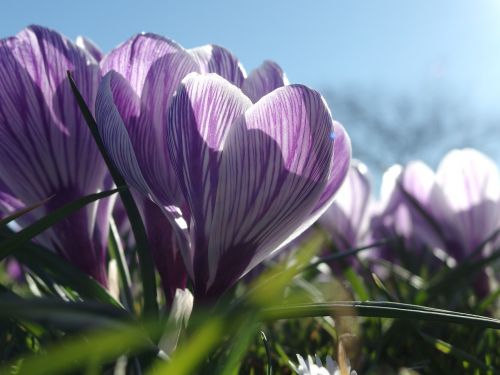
(215, 59)
(164, 247)
(154, 66)
(43, 136)
(341, 161)
(110, 122)
(200, 116)
(341, 146)
(471, 182)
(263, 80)
(275, 165)
(347, 217)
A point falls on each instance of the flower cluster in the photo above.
(226, 168)
(443, 218)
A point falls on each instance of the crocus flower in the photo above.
(456, 210)
(145, 72)
(348, 216)
(237, 179)
(45, 147)
(403, 192)
(471, 182)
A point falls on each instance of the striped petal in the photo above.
(263, 80)
(341, 161)
(201, 114)
(215, 59)
(471, 182)
(111, 119)
(275, 165)
(43, 137)
(153, 66)
(164, 247)
(347, 217)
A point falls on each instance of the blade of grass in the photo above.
(447, 279)
(147, 269)
(94, 347)
(265, 341)
(391, 310)
(116, 251)
(6, 220)
(63, 272)
(187, 357)
(345, 254)
(451, 350)
(50, 312)
(11, 244)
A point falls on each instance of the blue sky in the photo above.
(382, 44)
(422, 47)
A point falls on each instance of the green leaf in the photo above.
(11, 244)
(116, 252)
(448, 279)
(6, 220)
(36, 257)
(147, 269)
(357, 284)
(451, 350)
(265, 341)
(188, 356)
(347, 253)
(51, 312)
(381, 309)
(89, 348)
(239, 346)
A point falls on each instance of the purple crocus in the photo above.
(348, 216)
(456, 210)
(45, 147)
(235, 180)
(144, 74)
(403, 191)
(471, 183)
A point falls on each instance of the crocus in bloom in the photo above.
(457, 207)
(235, 180)
(403, 190)
(46, 149)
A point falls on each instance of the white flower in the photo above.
(315, 367)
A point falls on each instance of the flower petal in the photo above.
(215, 59)
(200, 116)
(40, 119)
(111, 125)
(153, 66)
(347, 217)
(163, 244)
(275, 166)
(263, 80)
(471, 182)
(43, 136)
(90, 47)
(341, 147)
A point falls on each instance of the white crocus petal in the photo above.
(314, 366)
(178, 319)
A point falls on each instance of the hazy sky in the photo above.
(387, 45)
